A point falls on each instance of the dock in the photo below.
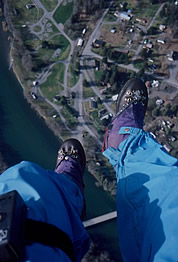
(100, 219)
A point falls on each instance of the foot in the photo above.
(71, 161)
(134, 92)
(130, 111)
(72, 148)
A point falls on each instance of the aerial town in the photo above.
(72, 59)
(73, 63)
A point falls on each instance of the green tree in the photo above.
(156, 111)
(77, 66)
(104, 60)
(140, 72)
(85, 83)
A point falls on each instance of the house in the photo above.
(98, 43)
(92, 103)
(30, 6)
(80, 42)
(124, 16)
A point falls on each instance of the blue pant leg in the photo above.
(147, 197)
(50, 198)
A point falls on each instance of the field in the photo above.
(49, 4)
(63, 13)
(53, 86)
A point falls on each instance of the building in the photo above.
(125, 17)
(171, 56)
(98, 43)
(168, 147)
(92, 103)
(80, 42)
(113, 30)
(162, 27)
(114, 98)
(30, 6)
(161, 41)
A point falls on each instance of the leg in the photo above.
(146, 191)
(51, 198)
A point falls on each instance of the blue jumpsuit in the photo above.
(147, 198)
(52, 198)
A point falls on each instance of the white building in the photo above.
(80, 42)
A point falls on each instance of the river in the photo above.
(28, 138)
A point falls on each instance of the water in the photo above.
(26, 137)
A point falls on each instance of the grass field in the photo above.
(49, 5)
(53, 86)
(22, 14)
(63, 13)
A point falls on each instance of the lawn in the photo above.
(73, 76)
(23, 14)
(144, 9)
(88, 92)
(63, 13)
(57, 42)
(63, 44)
(49, 5)
(71, 121)
(53, 86)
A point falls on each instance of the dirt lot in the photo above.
(117, 39)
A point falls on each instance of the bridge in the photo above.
(100, 219)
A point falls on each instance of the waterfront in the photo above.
(28, 138)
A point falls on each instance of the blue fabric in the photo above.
(51, 198)
(147, 198)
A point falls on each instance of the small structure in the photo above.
(171, 56)
(34, 96)
(35, 83)
(149, 45)
(80, 42)
(141, 21)
(125, 17)
(161, 41)
(168, 147)
(155, 83)
(92, 103)
(106, 117)
(159, 102)
(30, 6)
(113, 30)
(84, 31)
(114, 98)
(98, 43)
(162, 27)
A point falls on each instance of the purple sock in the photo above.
(72, 170)
(132, 116)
